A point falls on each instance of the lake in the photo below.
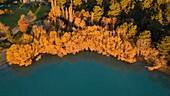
(83, 74)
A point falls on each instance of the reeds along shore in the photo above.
(93, 38)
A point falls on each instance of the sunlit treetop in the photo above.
(164, 46)
(146, 4)
(98, 12)
(115, 9)
(77, 2)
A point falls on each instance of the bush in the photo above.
(2, 12)
(6, 11)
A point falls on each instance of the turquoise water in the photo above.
(84, 74)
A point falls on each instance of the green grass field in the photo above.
(18, 9)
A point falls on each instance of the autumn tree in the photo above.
(54, 14)
(162, 2)
(31, 16)
(3, 28)
(80, 23)
(2, 1)
(26, 39)
(70, 11)
(2, 12)
(98, 12)
(23, 23)
(55, 3)
(4, 31)
(105, 22)
(19, 54)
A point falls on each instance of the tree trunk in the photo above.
(66, 13)
(52, 3)
(62, 10)
(71, 13)
(55, 3)
(92, 17)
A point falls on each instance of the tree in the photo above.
(31, 16)
(146, 3)
(99, 2)
(167, 12)
(127, 5)
(60, 2)
(98, 12)
(2, 12)
(3, 28)
(77, 2)
(114, 9)
(158, 16)
(143, 42)
(79, 23)
(23, 23)
(70, 11)
(4, 31)
(127, 30)
(2, 1)
(162, 2)
(164, 46)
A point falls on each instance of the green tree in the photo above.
(128, 30)
(146, 3)
(114, 9)
(99, 2)
(167, 12)
(143, 42)
(127, 5)
(98, 12)
(77, 2)
(162, 1)
(60, 2)
(164, 46)
(158, 16)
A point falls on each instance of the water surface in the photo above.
(83, 74)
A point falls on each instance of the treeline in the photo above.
(125, 29)
(109, 43)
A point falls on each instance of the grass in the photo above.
(19, 9)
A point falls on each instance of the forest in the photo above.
(125, 29)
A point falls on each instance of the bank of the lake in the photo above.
(165, 69)
(83, 74)
(2, 57)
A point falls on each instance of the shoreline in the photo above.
(165, 69)
(2, 57)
